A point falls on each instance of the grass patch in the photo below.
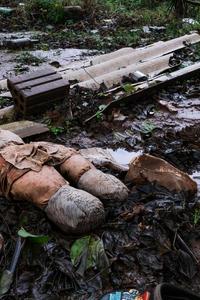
(26, 58)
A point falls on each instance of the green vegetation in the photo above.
(26, 58)
(128, 88)
(99, 113)
(108, 24)
(105, 24)
(196, 216)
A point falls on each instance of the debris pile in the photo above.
(103, 223)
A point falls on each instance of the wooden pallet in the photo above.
(34, 91)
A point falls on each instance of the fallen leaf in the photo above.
(88, 252)
(38, 239)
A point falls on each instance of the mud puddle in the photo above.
(122, 156)
(13, 63)
(21, 61)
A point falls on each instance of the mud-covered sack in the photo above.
(75, 211)
(85, 176)
(37, 187)
(7, 137)
(148, 168)
(34, 155)
(102, 158)
(74, 167)
(103, 186)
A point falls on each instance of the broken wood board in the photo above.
(137, 56)
(25, 128)
(147, 88)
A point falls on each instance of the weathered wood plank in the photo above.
(25, 128)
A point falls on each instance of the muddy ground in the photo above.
(143, 245)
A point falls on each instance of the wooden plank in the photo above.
(25, 128)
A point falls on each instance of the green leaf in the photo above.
(148, 127)
(88, 252)
(37, 239)
(128, 88)
(102, 107)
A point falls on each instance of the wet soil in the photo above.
(14, 62)
(145, 246)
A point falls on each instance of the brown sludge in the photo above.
(148, 168)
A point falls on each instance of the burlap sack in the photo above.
(7, 136)
(103, 186)
(75, 211)
(37, 187)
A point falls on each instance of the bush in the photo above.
(47, 10)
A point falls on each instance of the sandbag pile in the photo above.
(28, 173)
(41, 172)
